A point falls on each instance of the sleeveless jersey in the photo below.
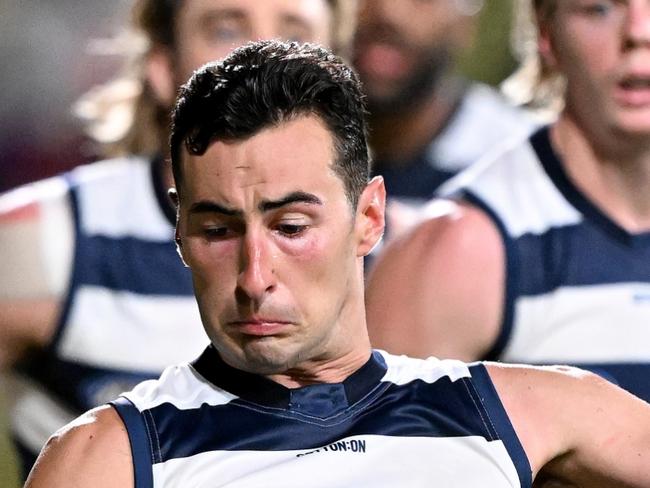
(578, 285)
(395, 422)
(483, 120)
(130, 309)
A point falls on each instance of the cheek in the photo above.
(211, 265)
(318, 259)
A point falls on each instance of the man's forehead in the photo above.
(295, 156)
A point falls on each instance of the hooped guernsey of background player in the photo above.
(275, 214)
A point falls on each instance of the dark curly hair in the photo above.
(263, 84)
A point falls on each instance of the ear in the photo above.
(160, 76)
(369, 225)
(173, 195)
(545, 41)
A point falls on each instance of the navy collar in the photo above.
(322, 400)
(541, 142)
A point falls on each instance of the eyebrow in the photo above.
(294, 197)
(208, 206)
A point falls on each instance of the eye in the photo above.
(291, 230)
(215, 232)
(599, 9)
(225, 30)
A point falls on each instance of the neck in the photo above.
(400, 135)
(615, 178)
(323, 371)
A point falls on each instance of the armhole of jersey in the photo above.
(139, 441)
(74, 266)
(511, 273)
(489, 399)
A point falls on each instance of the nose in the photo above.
(257, 276)
(638, 24)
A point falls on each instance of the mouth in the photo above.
(634, 90)
(260, 326)
(382, 59)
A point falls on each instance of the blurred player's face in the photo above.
(402, 47)
(603, 49)
(207, 30)
(274, 248)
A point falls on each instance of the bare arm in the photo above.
(93, 450)
(439, 290)
(36, 241)
(577, 428)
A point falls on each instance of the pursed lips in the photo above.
(260, 326)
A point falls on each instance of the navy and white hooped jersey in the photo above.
(483, 121)
(130, 309)
(578, 284)
(395, 422)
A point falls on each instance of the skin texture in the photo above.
(603, 138)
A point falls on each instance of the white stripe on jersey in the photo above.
(512, 185)
(126, 184)
(369, 460)
(613, 317)
(403, 369)
(36, 416)
(96, 336)
(181, 386)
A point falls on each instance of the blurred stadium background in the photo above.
(46, 65)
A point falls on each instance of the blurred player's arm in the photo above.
(93, 450)
(36, 238)
(577, 429)
(439, 289)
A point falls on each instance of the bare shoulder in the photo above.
(575, 425)
(447, 272)
(93, 450)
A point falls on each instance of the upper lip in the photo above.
(384, 36)
(635, 76)
(259, 320)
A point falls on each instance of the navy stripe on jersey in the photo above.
(488, 396)
(417, 180)
(25, 457)
(139, 439)
(66, 306)
(80, 387)
(550, 161)
(558, 257)
(142, 267)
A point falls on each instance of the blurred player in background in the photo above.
(427, 122)
(546, 259)
(93, 297)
